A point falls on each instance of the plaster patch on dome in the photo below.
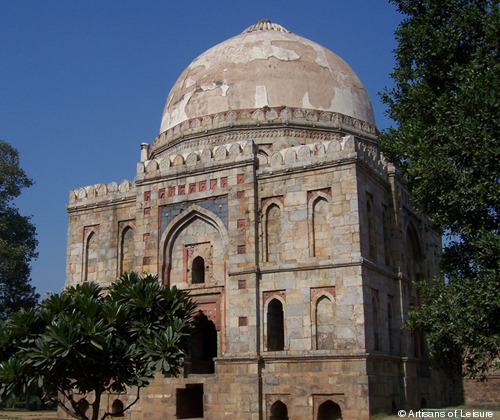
(178, 112)
(189, 82)
(255, 46)
(224, 88)
(306, 103)
(321, 58)
(260, 96)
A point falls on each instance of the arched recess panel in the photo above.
(372, 250)
(197, 246)
(91, 253)
(390, 327)
(127, 250)
(273, 233)
(325, 322)
(375, 324)
(321, 233)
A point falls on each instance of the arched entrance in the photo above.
(329, 411)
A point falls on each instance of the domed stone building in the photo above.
(265, 195)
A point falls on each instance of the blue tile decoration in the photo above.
(217, 205)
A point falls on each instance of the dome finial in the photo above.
(265, 25)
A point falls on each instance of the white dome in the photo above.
(266, 66)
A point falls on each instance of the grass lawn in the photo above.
(466, 411)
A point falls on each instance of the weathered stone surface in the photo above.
(285, 226)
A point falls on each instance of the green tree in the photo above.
(17, 237)
(86, 341)
(446, 106)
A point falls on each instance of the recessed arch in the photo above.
(329, 411)
(390, 326)
(126, 250)
(319, 234)
(372, 250)
(117, 408)
(272, 212)
(375, 324)
(176, 226)
(324, 322)
(279, 411)
(90, 261)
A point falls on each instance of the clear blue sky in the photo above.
(83, 83)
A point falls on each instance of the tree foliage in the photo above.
(17, 237)
(446, 106)
(86, 341)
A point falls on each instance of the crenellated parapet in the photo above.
(101, 194)
(208, 156)
(373, 157)
(318, 153)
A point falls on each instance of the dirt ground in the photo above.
(24, 415)
(449, 412)
(52, 415)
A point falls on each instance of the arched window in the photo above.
(127, 251)
(117, 408)
(275, 326)
(329, 411)
(198, 270)
(91, 254)
(279, 411)
(324, 323)
(83, 406)
(273, 233)
(376, 326)
(321, 234)
(203, 346)
(390, 327)
(371, 230)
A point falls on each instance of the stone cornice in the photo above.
(260, 117)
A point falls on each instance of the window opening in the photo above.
(189, 402)
(275, 326)
(203, 346)
(117, 408)
(279, 411)
(198, 270)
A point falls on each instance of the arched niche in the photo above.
(195, 232)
